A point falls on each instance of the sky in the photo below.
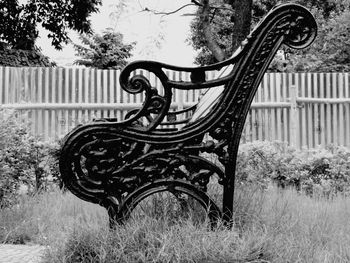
(158, 37)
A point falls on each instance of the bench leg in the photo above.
(230, 161)
(228, 205)
(177, 188)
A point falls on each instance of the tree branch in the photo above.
(194, 3)
(206, 16)
(166, 13)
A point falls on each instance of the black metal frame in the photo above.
(117, 164)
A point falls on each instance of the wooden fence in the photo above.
(304, 109)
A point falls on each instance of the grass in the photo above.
(271, 226)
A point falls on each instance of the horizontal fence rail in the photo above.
(303, 109)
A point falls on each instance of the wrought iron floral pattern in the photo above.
(115, 163)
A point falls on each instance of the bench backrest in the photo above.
(288, 24)
(209, 98)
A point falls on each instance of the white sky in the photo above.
(141, 27)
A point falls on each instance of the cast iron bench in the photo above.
(119, 164)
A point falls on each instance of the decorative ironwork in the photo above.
(117, 164)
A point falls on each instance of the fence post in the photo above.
(294, 117)
(179, 99)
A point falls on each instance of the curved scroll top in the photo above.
(293, 22)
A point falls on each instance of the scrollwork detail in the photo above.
(302, 31)
(162, 164)
(153, 103)
(156, 104)
(137, 84)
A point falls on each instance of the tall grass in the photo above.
(270, 226)
(47, 217)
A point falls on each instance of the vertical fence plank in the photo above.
(98, 92)
(302, 92)
(13, 85)
(315, 87)
(19, 92)
(87, 91)
(335, 128)
(59, 100)
(40, 123)
(272, 110)
(179, 97)
(118, 96)
(66, 97)
(29, 75)
(322, 111)
(310, 123)
(341, 109)
(46, 132)
(284, 116)
(26, 91)
(53, 89)
(347, 109)
(80, 93)
(328, 110)
(278, 86)
(125, 99)
(260, 115)
(7, 85)
(72, 88)
(266, 111)
(105, 91)
(251, 119)
(111, 98)
(294, 117)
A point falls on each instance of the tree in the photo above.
(103, 51)
(237, 13)
(219, 27)
(329, 52)
(19, 22)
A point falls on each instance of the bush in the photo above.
(26, 164)
(24, 58)
(317, 171)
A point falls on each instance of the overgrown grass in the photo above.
(270, 226)
(47, 218)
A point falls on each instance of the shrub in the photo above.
(24, 58)
(321, 171)
(26, 163)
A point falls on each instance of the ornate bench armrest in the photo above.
(157, 104)
(288, 23)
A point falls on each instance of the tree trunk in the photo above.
(209, 37)
(242, 20)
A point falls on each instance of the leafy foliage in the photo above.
(221, 26)
(19, 22)
(330, 51)
(321, 171)
(24, 58)
(25, 162)
(103, 51)
(222, 22)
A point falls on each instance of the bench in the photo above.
(119, 164)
